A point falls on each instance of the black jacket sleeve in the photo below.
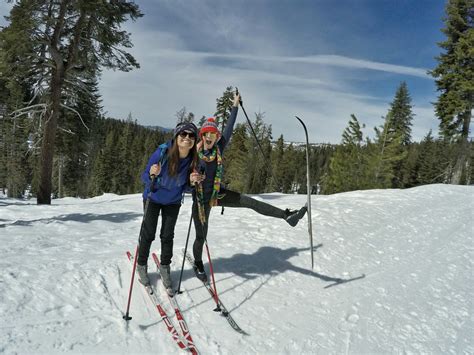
(229, 128)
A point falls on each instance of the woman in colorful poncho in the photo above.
(209, 192)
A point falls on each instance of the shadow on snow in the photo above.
(267, 262)
(79, 217)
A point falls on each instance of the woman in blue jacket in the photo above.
(209, 192)
(171, 164)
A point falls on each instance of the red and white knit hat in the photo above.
(209, 126)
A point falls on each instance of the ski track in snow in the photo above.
(65, 277)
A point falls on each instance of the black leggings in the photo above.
(169, 216)
(230, 199)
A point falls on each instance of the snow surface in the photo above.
(64, 277)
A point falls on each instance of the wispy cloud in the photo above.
(313, 87)
(191, 50)
(328, 60)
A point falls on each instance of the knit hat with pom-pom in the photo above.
(209, 126)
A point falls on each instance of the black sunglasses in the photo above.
(184, 134)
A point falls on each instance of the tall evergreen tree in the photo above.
(66, 39)
(455, 80)
(236, 159)
(399, 119)
(400, 114)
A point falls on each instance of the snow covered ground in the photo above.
(64, 277)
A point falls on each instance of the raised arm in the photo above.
(229, 128)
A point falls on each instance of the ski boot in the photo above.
(293, 217)
(165, 272)
(143, 274)
(200, 272)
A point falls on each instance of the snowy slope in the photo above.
(65, 277)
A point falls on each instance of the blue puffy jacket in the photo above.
(169, 190)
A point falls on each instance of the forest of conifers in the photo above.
(56, 142)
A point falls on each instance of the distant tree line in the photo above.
(55, 142)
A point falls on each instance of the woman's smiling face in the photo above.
(209, 139)
(186, 139)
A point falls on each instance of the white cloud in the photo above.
(231, 47)
(329, 60)
(311, 87)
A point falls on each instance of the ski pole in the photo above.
(127, 317)
(185, 250)
(216, 297)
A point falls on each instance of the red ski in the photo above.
(179, 316)
(169, 325)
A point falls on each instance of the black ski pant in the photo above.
(169, 216)
(230, 199)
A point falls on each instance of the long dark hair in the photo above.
(173, 158)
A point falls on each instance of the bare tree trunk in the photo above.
(49, 137)
(57, 81)
(463, 152)
(60, 176)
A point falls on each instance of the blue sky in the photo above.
(321, 60)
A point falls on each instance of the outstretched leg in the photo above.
(235, 199)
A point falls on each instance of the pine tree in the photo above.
(384, 155)
(455, 81)
(15, 149)
(400, 117)
(65, 42)
(236, 159)
(74, 139)
(427, 161)
(348, 165)
(400, 114)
